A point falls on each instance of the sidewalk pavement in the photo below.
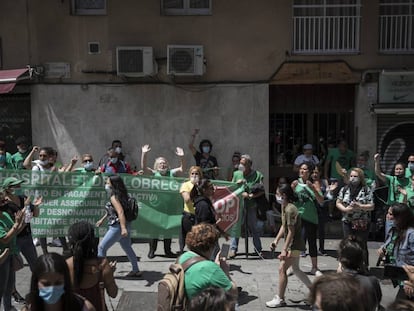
(257, 277)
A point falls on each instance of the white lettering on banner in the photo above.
(154, 184)
(74, 212)
(49, 232)
(223, 205)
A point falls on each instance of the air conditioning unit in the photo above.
(135, 61)
(185, 60)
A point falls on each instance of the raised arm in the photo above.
(191, 144)
(145, 149)
(180, 153)
(377, 167)
(27, 163)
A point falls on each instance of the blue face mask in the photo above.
(51, 294)
(411, 166)
(88, 166)
(2, 158)
(206, 149)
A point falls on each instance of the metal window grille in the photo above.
(396, 25)
(186, 7)
(326, 26)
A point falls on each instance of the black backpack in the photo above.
(131, 210)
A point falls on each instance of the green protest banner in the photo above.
(72, 197)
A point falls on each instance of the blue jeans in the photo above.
(252, 228)
(28, 250)
(7, 282)
(112, 236)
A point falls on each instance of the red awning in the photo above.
(9, 78)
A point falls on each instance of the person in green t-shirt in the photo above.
(409, 171)
(5, 157)
(396, 185)
(23, 151)
(201, 241)
(161, 168)
(247, 177)
(341, 155)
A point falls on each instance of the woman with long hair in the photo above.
(355, 202)
(398, 248)
(291, 231)
(309, 195)
(119, 228)
(89, 274)
(51, 288)
(201, 195)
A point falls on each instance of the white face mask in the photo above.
(242, 167)
(88, 166)
(118, 150)
(108, 188)
(21, 150)
(354, 180)
(113, 160)
(279, 199)
(44, 162)
(194, 179)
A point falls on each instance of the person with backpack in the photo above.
(201, 241)
(355, 201)
(119, 226)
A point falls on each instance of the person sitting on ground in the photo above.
(351, 261)
(51, 288)
(203, 158)
(212, 298)
(88, 272)
(201, 241)
(161, 168)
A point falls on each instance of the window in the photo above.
(396, 23)
(326, 26)
(186, 7)
(88, 7)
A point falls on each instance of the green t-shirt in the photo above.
(203, 274)
(6, 223)
(344, 159)
(255, 177)
(290, 218)
(393, 183)
(306, 203)
(369, 176)
(18, 158)
(408, 172)
(7, 163)
(410, 197)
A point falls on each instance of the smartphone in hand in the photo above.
(224, 251)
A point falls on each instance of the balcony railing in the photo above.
(396, 34)
(326, 34)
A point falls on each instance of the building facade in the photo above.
(260, 77)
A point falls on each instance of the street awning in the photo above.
(9, 78)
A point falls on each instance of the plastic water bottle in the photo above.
(27, 214)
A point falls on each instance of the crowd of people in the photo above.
(342, 183)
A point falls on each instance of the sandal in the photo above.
(134, 274)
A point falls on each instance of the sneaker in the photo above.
(276, 302)
(36, 242)
(316, 272)
(232, 253)
(289, 271)
(303, 254)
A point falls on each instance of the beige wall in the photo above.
(243, 40)
(76, 120)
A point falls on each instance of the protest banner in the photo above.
(72, 197)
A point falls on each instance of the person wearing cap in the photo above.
(5, 157)
(14, 204)
(307, 156)
(23, 151)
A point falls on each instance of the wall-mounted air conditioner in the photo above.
(185, 60)
(135, 61)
